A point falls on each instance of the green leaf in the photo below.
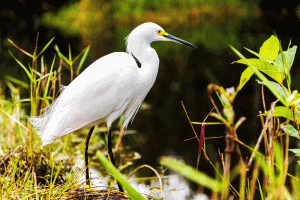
(281, 111)
(289, 129)
(267, 60)
(266, 67)
(246, 75)
(289, 55)
(119, 177)
(191, 173)
(280, 88)
(270, 48)
(262, 78)
(295, 151)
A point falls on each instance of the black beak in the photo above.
(178, 40)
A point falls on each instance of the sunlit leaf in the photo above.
(281, 111)
(261, 77)
(265, 67)
(270, 48)
(246, 75)
(280, 88)
(295, 151)
(291, 131)
(289, 55)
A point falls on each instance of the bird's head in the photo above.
(149, 32)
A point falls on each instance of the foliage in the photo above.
(274, 163)
(278, 68)
(197, 20)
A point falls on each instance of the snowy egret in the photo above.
(111, 86)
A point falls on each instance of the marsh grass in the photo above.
(28, 171)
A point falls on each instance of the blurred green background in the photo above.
(211, 25)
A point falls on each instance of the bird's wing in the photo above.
(99, 92)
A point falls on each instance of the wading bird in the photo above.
(112, 86)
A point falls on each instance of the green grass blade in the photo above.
(49, 78)
(111, 169)
(60, 55)
(86, 51)
(267, 170)
(16, 81)
(191, 173)
(70, 53)
(279, 164)
(42, 64)
(45, 47)
(260, 190)
(24, 68)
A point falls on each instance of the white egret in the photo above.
(111, 86)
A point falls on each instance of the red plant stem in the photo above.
(200, 143)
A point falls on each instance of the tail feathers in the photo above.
(46, 143)
(47, 129)
(40, 123)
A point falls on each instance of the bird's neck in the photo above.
(148, 58)
(143, 52)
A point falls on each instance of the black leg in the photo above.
(111, 156)
(86, 157)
